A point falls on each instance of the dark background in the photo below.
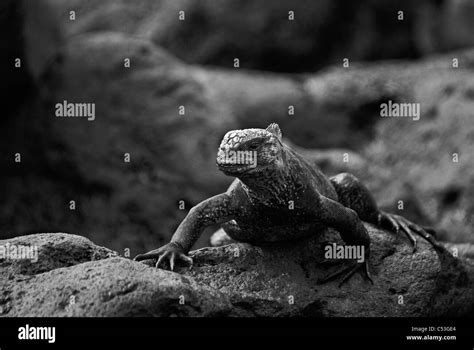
(190, 63)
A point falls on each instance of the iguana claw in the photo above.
(171, 250)
(397, 222)
(348, 271)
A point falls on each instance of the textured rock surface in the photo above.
(430, 283)
(112, 287)
(74, 277)
(235, 280)
(54, 250)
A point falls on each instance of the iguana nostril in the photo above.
(220, 156)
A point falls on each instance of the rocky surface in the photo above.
(74, 277)
(54, 250)
(77, 278)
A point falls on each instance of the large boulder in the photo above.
(50, 251)
(115, 287)
(71, 276)
(236, 280)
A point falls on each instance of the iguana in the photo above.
(255, 208)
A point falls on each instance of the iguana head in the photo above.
(250, 151)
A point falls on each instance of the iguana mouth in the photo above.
(233, 168)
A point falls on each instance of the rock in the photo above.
(444, 25)
(74, 277)
(292, 270)
(43, 35)
(17, 82)
(139, 19)
(310, 121)
(137, 114)
(238, 280)
(263, 37)
(53, 251)
(417, 157)
(114, 287)
(462, 250)
(220, 238)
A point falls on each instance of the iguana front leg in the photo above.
(215, 210)
(352, 231)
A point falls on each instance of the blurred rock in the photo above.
(243, 280)
(462, 250)
(261, 35)
(220, 238)
(415, 156)
(445, 25)
(17, 82)
(43, 37)
(137, 113)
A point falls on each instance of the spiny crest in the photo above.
(275, 130)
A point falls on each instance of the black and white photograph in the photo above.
(275, 167)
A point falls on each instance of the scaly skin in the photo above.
(278, 196)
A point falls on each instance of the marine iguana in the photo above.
(255, 208)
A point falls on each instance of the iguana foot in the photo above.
(348, 271)
(171, 251)
(396, 223)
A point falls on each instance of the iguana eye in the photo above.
(253, 146)
(255, 143)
